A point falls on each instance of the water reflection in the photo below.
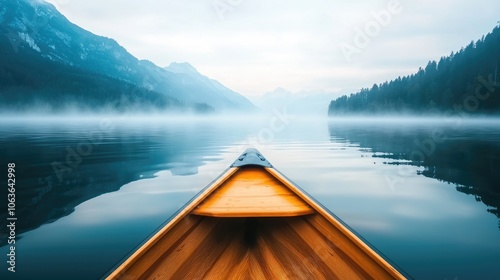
(60, 166)
(467, 156)
(151, 164)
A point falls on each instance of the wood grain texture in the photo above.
(260, 248)
(156, 244)
(253, 192)
(349, 239)
(226, 233)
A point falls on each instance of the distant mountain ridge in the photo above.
(45, 59)
(307, 103)
(182, 68)
(466, 82)
(213, 91)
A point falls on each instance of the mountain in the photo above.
(466, 82)
(46, 61)
(306, 103)
(214, 93)
(182, 68)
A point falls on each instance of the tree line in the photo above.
(30, 82)
(467, 80)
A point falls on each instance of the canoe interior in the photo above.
(305, 247)
(253, 223)
(253, 192)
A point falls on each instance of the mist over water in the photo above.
(422, 191)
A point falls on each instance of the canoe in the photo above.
(254, 223)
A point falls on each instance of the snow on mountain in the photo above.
(30, 41)
(37, 25)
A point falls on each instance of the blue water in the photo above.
(89, 192)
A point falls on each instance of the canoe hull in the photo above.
(306, 247)
(294, 237)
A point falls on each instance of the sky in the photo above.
(255, 46)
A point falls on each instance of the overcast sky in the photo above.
(254, 46)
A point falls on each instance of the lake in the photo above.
(424, 192)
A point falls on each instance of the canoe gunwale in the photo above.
(129, 261)
(355, 237)
(175, 218)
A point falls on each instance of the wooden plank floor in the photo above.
(253, 192)
(260, 248)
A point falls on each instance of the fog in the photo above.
(259, 116)
(435, 119)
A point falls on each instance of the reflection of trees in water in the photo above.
(44, 197)
(118, 160)
(469, 159)
(471, 165)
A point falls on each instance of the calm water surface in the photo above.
(88, 193)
